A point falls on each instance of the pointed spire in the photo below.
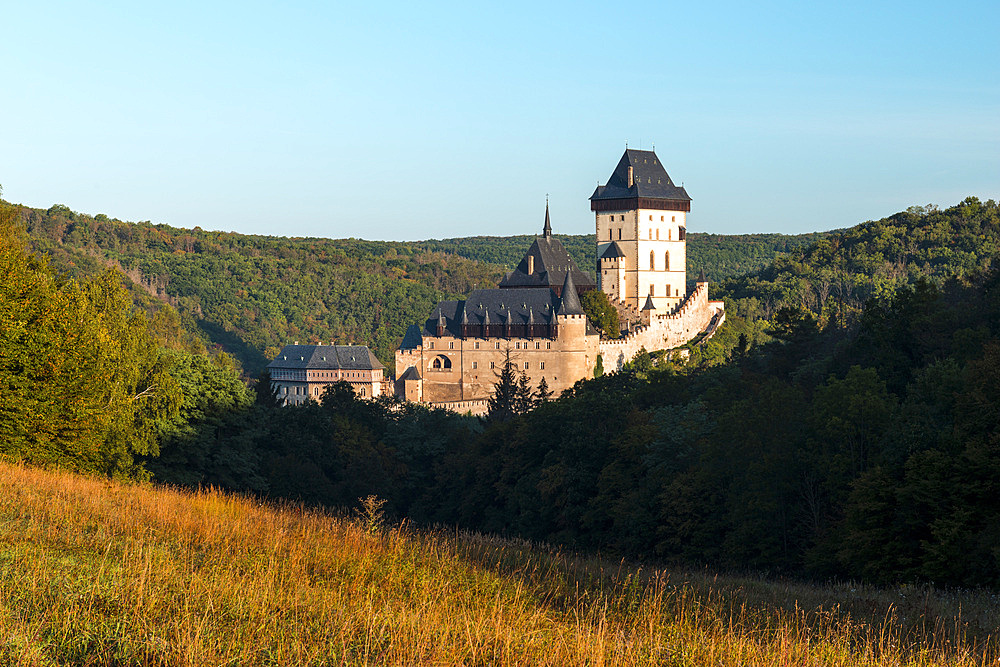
(701, 277)
(570, 302)
(649, 303)
(441, 320)
(547, 230)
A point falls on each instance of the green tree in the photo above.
(83, 379)
(601, 313)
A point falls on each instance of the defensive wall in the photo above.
(696, 314)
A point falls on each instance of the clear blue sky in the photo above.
(427, 120)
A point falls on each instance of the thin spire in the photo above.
(547, 230)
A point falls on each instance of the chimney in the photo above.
(631, 177)
(531, 264)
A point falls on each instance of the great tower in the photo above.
(641, 219)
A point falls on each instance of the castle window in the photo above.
(477, 344)
(548, 346)
(650, 218)
(362, 391)
(657, 234)
(670, 235)
(652, 260)
(666, 261)
(620, 233)
(451, 345)
(517, 346)
(652, 290)
(538, 346)
(623, 218)
(498, 345)
(650, 233)
(492, 365)
(609, 234)
(526, 365)
(661, 218)
(432, 345)
(475, 365)
(441, 363)
(316, 391)
(681, 233)
(541, 365)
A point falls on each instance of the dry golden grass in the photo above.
(99, 573)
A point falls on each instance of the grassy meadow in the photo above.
(94, 572)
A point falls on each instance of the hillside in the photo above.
(99, 573)
(721, 256)
(249, 295)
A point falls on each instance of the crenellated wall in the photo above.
(665, 331)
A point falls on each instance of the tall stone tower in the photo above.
(641, 230)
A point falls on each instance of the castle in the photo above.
(535, 318)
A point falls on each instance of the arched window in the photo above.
(666, 261)
(441, 363)
(652, 260)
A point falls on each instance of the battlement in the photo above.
(693, 316)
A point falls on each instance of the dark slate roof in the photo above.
(570, 298)
(503, 305)
(649, 305)
(552, 262)
(412, 339)
(327, 357)
(650, 179)
(410, 373)
(612, 251)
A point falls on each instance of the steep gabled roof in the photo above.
(326, 357)
(549, 264)
(649, 305)
(649, 179)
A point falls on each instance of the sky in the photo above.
(405, 121)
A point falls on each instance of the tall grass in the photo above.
(98, 573)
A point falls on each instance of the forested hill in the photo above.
(838, 274)
(721, 256)
(250, 295)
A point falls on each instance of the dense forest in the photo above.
(844, 422)
(250, 295)
(720, 256)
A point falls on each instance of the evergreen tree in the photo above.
(503, 404)
(543, 394)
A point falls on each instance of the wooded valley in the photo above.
(843, 423)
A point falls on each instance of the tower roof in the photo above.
(547, 229)
(648, 180)
(612, 251)
(649, 305)
(570, 303)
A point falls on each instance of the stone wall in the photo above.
(695, 314)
